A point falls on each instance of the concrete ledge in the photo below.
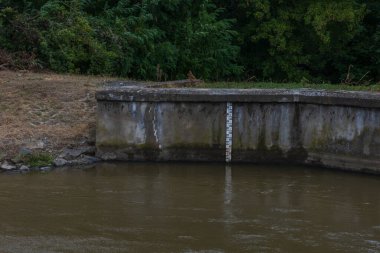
(142, 93)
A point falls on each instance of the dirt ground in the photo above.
(46, 111)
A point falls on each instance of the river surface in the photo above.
(190, 208)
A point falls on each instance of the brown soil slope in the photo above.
(46, 111)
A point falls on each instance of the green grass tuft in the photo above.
(38, 159)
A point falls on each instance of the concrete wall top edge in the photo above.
(134, 93)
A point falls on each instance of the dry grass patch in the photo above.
(46, 111)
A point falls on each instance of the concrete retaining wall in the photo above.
(332, 129)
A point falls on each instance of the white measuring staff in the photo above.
(229, 116)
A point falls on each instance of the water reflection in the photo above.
(228, 186)
(190, 208)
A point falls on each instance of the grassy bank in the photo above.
(268, 85)
(46, 112)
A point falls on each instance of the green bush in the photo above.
(69, 44)
(276, 40)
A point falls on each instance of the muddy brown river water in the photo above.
(153, 207)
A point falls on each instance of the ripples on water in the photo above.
(190, 208)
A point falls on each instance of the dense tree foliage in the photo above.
(309, 40)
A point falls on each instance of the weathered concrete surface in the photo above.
(161, 131)
(332, 129)
(332, 136)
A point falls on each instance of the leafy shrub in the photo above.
(69, 44)
(273, 40)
